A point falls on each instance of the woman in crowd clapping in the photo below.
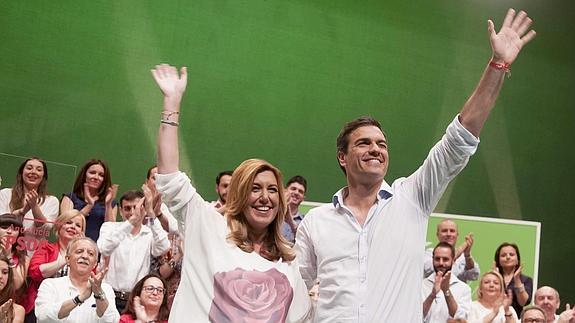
(49, 260)
(29, 199)
(228, 255)
(493, 304)
(9, 311)
(10, 231)
(148, 301)
(93, 195)
(508, 263)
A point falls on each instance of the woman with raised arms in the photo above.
(239, 265)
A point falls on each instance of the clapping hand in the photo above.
(140, 310)
(96, 280)
(4, 310)
(31, 199)
(468, 244)
(139, 213)
(149, 201)
(90, 199)
(111, 193)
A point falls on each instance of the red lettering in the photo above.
(27, 243)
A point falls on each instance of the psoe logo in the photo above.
(30, 238)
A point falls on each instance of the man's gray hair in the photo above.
(78, 239)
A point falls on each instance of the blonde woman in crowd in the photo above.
(493, 304)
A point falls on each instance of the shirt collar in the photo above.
(385, 192)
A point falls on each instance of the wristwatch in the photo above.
(100, 296)
(447, 293)
(77, 300)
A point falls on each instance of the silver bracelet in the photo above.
(168, 122)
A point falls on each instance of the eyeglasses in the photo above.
(151, 289)
(6, 226)
(533, 320)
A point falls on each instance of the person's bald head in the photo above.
(447, 231)
(547, 298)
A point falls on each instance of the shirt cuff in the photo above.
(464, 139)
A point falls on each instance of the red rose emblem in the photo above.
(250, 296)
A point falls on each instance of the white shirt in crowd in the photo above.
(438, 312)
(54, 291)
(130, 255)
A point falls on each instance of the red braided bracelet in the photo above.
(504, 67)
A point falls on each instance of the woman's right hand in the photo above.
(61, 261)
(140, 310)
(507, 300)
(4, 308)
(90, 199)
(172, 85)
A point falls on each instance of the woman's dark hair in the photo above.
(498, 252)
(17, 199)
(9, 219)
(81, 179)
(8, 291)
(164, 312)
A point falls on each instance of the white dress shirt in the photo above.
(54, 291)
(130, 255)
(479, 312)
(439, 312)
(387, 250)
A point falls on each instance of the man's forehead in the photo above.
(367, 131)
(131, 202)
(296, 185)
(545, 292)
(442, 252)
(225, 178)
(447, 224)
(84, 244)
(533, 313)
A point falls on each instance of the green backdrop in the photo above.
(277, 79)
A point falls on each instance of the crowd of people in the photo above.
(251, 255)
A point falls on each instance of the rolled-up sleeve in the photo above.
(176, 190)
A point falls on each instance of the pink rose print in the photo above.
(250, 296)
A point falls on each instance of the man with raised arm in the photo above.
(366, 246)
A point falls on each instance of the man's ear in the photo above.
(341, 158)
